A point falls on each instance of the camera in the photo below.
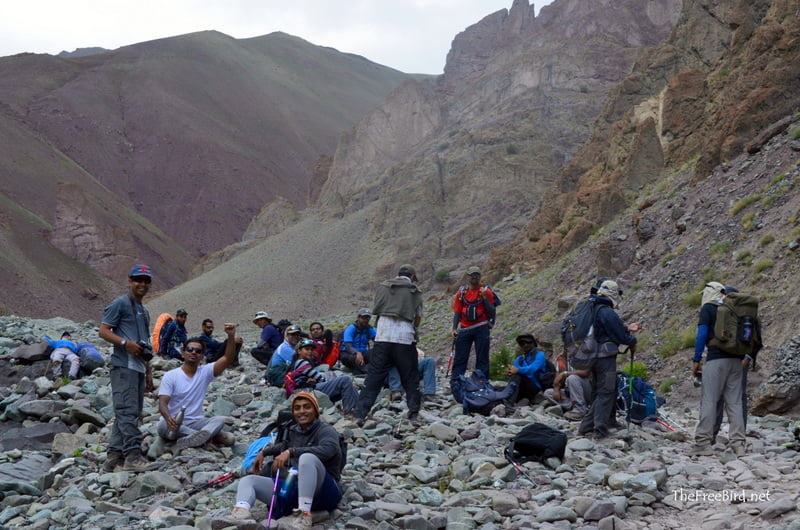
(147, 350)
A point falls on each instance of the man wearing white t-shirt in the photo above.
(186, 387)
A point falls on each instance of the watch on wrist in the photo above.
(123, 342)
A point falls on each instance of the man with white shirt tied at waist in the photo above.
(398, 308)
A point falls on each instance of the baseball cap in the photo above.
(304, 343)
(407, 271)
(140, 270)
(364, 312)
(180, 312)
(260, 315)
(473, 270)
(293, 329)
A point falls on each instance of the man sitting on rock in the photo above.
(185, 388)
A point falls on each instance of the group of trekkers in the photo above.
(307, 363)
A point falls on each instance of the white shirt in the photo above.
(185, 390)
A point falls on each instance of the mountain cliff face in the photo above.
(451, 169)
(728, 71)
(164, 151)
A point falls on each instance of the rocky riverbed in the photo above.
(450, 473)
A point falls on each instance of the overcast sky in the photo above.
(413, 36)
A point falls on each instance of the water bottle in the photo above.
(698, 379)
(287, 483)
(747, 329)
(172, 434)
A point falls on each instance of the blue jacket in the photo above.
(608, 326)
(531, 365)
(358, 338)
(62, 344)
(271, 336)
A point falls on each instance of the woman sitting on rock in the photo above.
(313, 448)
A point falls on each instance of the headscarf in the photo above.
(610, 290)
(713, 292)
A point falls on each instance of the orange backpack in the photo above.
(155, 339)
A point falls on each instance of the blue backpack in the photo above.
(477, 394)
(637, 399)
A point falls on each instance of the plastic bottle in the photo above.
(698, 380)
(173, 433)
(287, 483)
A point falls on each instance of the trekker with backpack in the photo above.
(268, 341)
(312, 448)
(747, 359)
(609, 333)
(473, 317)
(531, 370)
(173, 336)
(303, 374)
(722, 374)
(355, 352)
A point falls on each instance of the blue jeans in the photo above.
(478, 335)
(427, 369)
(127, 395)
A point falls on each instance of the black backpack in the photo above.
(479, 395)
(536, 442)
(577, 332)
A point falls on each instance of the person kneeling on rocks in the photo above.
(184, 388)
(312, 447)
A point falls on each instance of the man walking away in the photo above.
(398, 308)
(126, 324)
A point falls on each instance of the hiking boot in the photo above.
(573, 415)
(134, 461)
(299, 520)
(396, 395)
(415, 420)
(701, 450)
(113, 460)
(196, 439)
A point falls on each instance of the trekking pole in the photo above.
(520, 469)
(213, 482)
(630, 389)
(274, 494)
(451, 358)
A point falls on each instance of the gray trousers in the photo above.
(603, 405)
(310, 475)
(722, 380)
(127, 395)
(213, 425)
(578, 394)
(340, 387)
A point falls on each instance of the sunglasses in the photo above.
(141, 279)
(192, 349)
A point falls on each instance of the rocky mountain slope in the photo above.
(440, 173)
(160, 152)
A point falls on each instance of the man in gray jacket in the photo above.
(398, 308)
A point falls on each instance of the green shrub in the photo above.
(766, 240)
(512, 149)
(719, 249)
(747, 220)
(743, 203)
(442, 276)
(667, 259)
(443, 146)
(687, 337)
(639, 369)
(500, 362)
(693, 298)
(796, 133)
(763, 265)
(666, 386)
